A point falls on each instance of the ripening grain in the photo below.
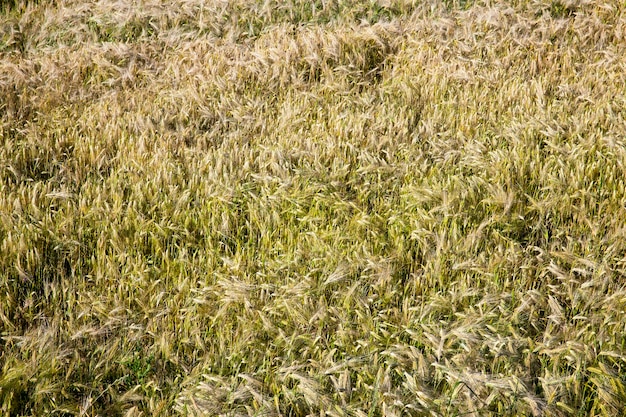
(333, 208)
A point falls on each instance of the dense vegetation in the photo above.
(330, 207)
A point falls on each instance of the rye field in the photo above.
(312, 208)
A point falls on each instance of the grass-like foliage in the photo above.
(312, 208)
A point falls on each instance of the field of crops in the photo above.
(312, 208)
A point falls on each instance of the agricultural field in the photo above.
(312, 208)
